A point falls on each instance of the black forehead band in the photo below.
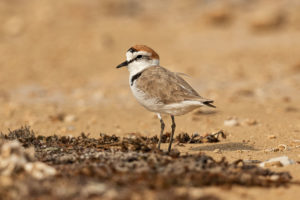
(132, 50)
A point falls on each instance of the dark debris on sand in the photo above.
(118, 168)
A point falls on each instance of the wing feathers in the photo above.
(167, 87)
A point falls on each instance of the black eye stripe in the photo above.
(138, 57)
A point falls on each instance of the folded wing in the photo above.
(168, 87)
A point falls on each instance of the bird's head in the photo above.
(139, 57)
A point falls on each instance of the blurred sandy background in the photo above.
(58, 58)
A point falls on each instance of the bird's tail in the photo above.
(206, 102)
(209, 103)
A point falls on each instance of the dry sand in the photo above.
(58, 73)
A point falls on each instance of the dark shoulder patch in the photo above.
(135, 77)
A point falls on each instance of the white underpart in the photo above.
(180, 108)
(153, 104)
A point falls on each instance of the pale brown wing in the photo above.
(166, 86)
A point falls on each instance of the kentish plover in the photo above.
(158, 89)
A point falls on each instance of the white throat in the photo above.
(137, 67)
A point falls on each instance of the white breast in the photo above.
(151, 104)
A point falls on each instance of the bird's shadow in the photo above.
(230, 146)
(205, 112)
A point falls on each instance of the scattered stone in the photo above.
(242, 151)
(271, 150)
(296, 143)
(57, 118)
(69, 118)
(39, 170)
(249, 122)
(273, 164)
(218, 14)
(14, 158)
(217, 151)
(282, 147)
(180, 144)
(272, 137)
(231, 122)
(68, 158)
(70, 128)
(291, 109)
(93, 189)
(278, 161)
(62, 117)
(266, 19)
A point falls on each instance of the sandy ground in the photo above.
(58, 73)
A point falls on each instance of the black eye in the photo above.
(139, 56)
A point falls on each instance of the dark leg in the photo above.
(162, 127)
(173, 131)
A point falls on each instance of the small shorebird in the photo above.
(158, 89)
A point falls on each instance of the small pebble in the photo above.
(265, 19)
(70, 128)
(231, 122)
(249, 122)
(70, 118)
(274, 177)
(282, 147)
(93, 189)
(272, 136)
(273, 164)
(217, 151)
(39, 170)
(291, 109)
(278, 162)
(180, 144)
(271, 150)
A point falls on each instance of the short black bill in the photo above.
(123, 64)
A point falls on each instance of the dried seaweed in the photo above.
(114, 168)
